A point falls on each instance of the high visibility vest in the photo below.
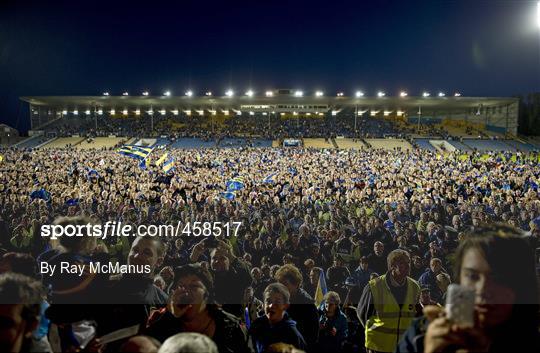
(385, 328)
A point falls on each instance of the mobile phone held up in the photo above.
(460, 305)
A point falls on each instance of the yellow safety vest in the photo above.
(385, 328)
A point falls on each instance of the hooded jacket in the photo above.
(263, 334)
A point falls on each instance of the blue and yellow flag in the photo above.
(229, 195)
(133, 151)
(235, 184)
(1, 158)
(270, 179)
(321, 289)
(162, 158)
(168, 165)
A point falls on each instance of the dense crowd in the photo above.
(362, 222)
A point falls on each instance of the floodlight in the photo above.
(298, 93)
(441, 94)
(319, 93)
(174, 111)
(167, 93)
(251, 113)
(380, 94)
(100, 112)
(150, 112)
(125, 94)
(359, 94)
(125, 112)
(87, 112)
(145, 93)
(138, 112)
(112, 112)
(425, 94)
(189, 93)
(457, 94)
(208, 93)
(105, 93)
(340, 94)
(269, 93)
(249, 93)
(229, 93)
(75, 112)
(64, 112)
(403, 94)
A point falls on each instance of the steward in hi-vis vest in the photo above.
(388, 304)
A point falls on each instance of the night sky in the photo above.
(476, 47)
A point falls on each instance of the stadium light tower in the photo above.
(189, 93)
(125, 94)
(145, 93)
(425, 94)
(105, 93)
(167, 93)
(249, 93)
(319, 94)
(298, 94)
(359, 94)
(403, 94)
(380, 94)
(229, 93)
(441, 94)
(269, 94)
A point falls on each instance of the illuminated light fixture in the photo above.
(174, 111)
(226, 112)
(380, 94)
(361, 112)
(249, 93)
(387, 112)
(294, 113)
(125, 94)
(212, 111)
(75, 112)
(209, 94)
(150, 112)
(399, 113)
(145, 93)
(269, 94)
(251, 113)
(298, 94)
(425, 94)
(162, 112)
(334, 112)
(373, 112)
(137, 112)
(87, 112)
(112, 112)
(403, 94)
(340, 94)
(359, 94)
(125, 112)
(319, 94)
(229, 93)
(64, 112)
(188, 112)
(167, 93)
(189, 93)
(457, 94)
(308, 114)
(441, 94)
(100, 112)
(200, 112)
(105, 93)
(282, 114)
(238, 112)
(538, 13)
(265, 113)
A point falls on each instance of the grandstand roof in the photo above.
(449, 102)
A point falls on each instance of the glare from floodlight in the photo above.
(269, 93)
(105, 93)
(174, 111)
(229, 93)
(441, 94)
(359, 94)
(251, 113)
(145, 93)
(425, 94)
(457, 94)
(64, 112)
(112, 112)
(100, 112)
(138, 112)
(75, 112)
(162, 112)
(167, 93)
(380, 94)
(208, 94)
(249, 93)
(538, 13)
(340, 94)
(319, 93)
(87, 112)
(150, 112)
(125, 112)
(189, 93)
(298, 93)
(403, 94)
(125, 94)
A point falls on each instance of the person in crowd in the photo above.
(191, 308)
(506, 304)
(388, 304)
(188, 342)
(275, 326)
(336, 276)
(429, 279)
(20, 302)
(333, 327)
(252, 306)
(141, 344)
(302, 308)
(377, 259)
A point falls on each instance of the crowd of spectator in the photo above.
(381, 229)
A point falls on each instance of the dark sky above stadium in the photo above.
(476, 47)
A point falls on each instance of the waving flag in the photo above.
(321, 289)
(270, 179)
(136, 152)
(162, 158)
(168, 165)
(40, 194)
(229, 195)
(235, 184)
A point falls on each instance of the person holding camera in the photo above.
(333, 326)
(505, 308)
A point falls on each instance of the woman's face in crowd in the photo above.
(190, 290)
(494, 301)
